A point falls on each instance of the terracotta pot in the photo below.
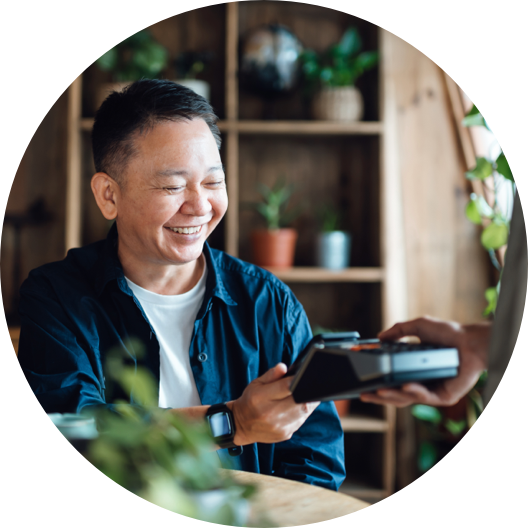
(342, 103)
(273, 248)
(342, 407)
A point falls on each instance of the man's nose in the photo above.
(196, 203)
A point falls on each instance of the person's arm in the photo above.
(63, 371)
(472, 342)
(265, 413)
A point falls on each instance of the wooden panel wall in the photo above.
(447, 269)
(41, 174)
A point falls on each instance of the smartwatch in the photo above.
(222, 424)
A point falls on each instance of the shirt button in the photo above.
(202, 357)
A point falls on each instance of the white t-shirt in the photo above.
(172, 317)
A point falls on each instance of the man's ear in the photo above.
(106, 192)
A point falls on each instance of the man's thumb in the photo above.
(273, 374)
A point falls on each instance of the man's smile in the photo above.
(186, 230)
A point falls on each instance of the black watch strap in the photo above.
(224, 441)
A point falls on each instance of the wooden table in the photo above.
(289, 503)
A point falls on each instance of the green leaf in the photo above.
(367, 60)
(492, 296)
(151, 58)
(474, 118)
(483, 206)
(495, 235)
(108, 61)
(482, 170)
(472, 212)
(327, 75)
(427, 413)
(455, 427)
(140, 383)
(427, 456)
(350, 42)
(503, 167)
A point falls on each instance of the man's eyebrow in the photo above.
(182, 172)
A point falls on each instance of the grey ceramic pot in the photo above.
(333, 250)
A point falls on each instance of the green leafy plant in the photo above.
(190, 63)
(156, 454)
(340, 65)
(329, 219)
(494, 172)
(438, 433)
(274, 205)
(136, 57)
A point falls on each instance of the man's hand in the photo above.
(266, 412)
(472, 342)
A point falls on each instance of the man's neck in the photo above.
(164, 280)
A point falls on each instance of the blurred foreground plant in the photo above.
(158, 455)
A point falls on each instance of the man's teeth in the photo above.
(186, 230)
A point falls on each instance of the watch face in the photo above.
(220, 424)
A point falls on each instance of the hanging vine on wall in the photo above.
(488, 209)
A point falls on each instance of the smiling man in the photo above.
(218, 332)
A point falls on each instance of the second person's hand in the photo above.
(472, 342)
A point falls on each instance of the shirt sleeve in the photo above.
(315, 453)
(64, 372)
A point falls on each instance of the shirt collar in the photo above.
(109, 268)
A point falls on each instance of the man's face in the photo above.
(174, 194)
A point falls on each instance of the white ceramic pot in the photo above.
(333, 250)
(343, 103)
(196, 85)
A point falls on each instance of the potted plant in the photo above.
(332, 244)
(332, 75)
(136, 57)
(275, 246)
(188, 65)
(153, 453)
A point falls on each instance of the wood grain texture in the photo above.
(313, 274)
(301, 127)
(40, 175)
(446, 268)
(73, 153)
(289, 503)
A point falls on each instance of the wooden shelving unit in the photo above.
(321, 155)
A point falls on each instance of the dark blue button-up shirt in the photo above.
(76, 310)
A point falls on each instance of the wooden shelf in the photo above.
(361, 128)
(364, 424)
(364, 128)
(313, 274)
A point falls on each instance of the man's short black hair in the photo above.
(135, 110)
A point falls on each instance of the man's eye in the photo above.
(172, 189)
(218, 183)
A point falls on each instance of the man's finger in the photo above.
(427, 329)
(276, 390)
(273, 374)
